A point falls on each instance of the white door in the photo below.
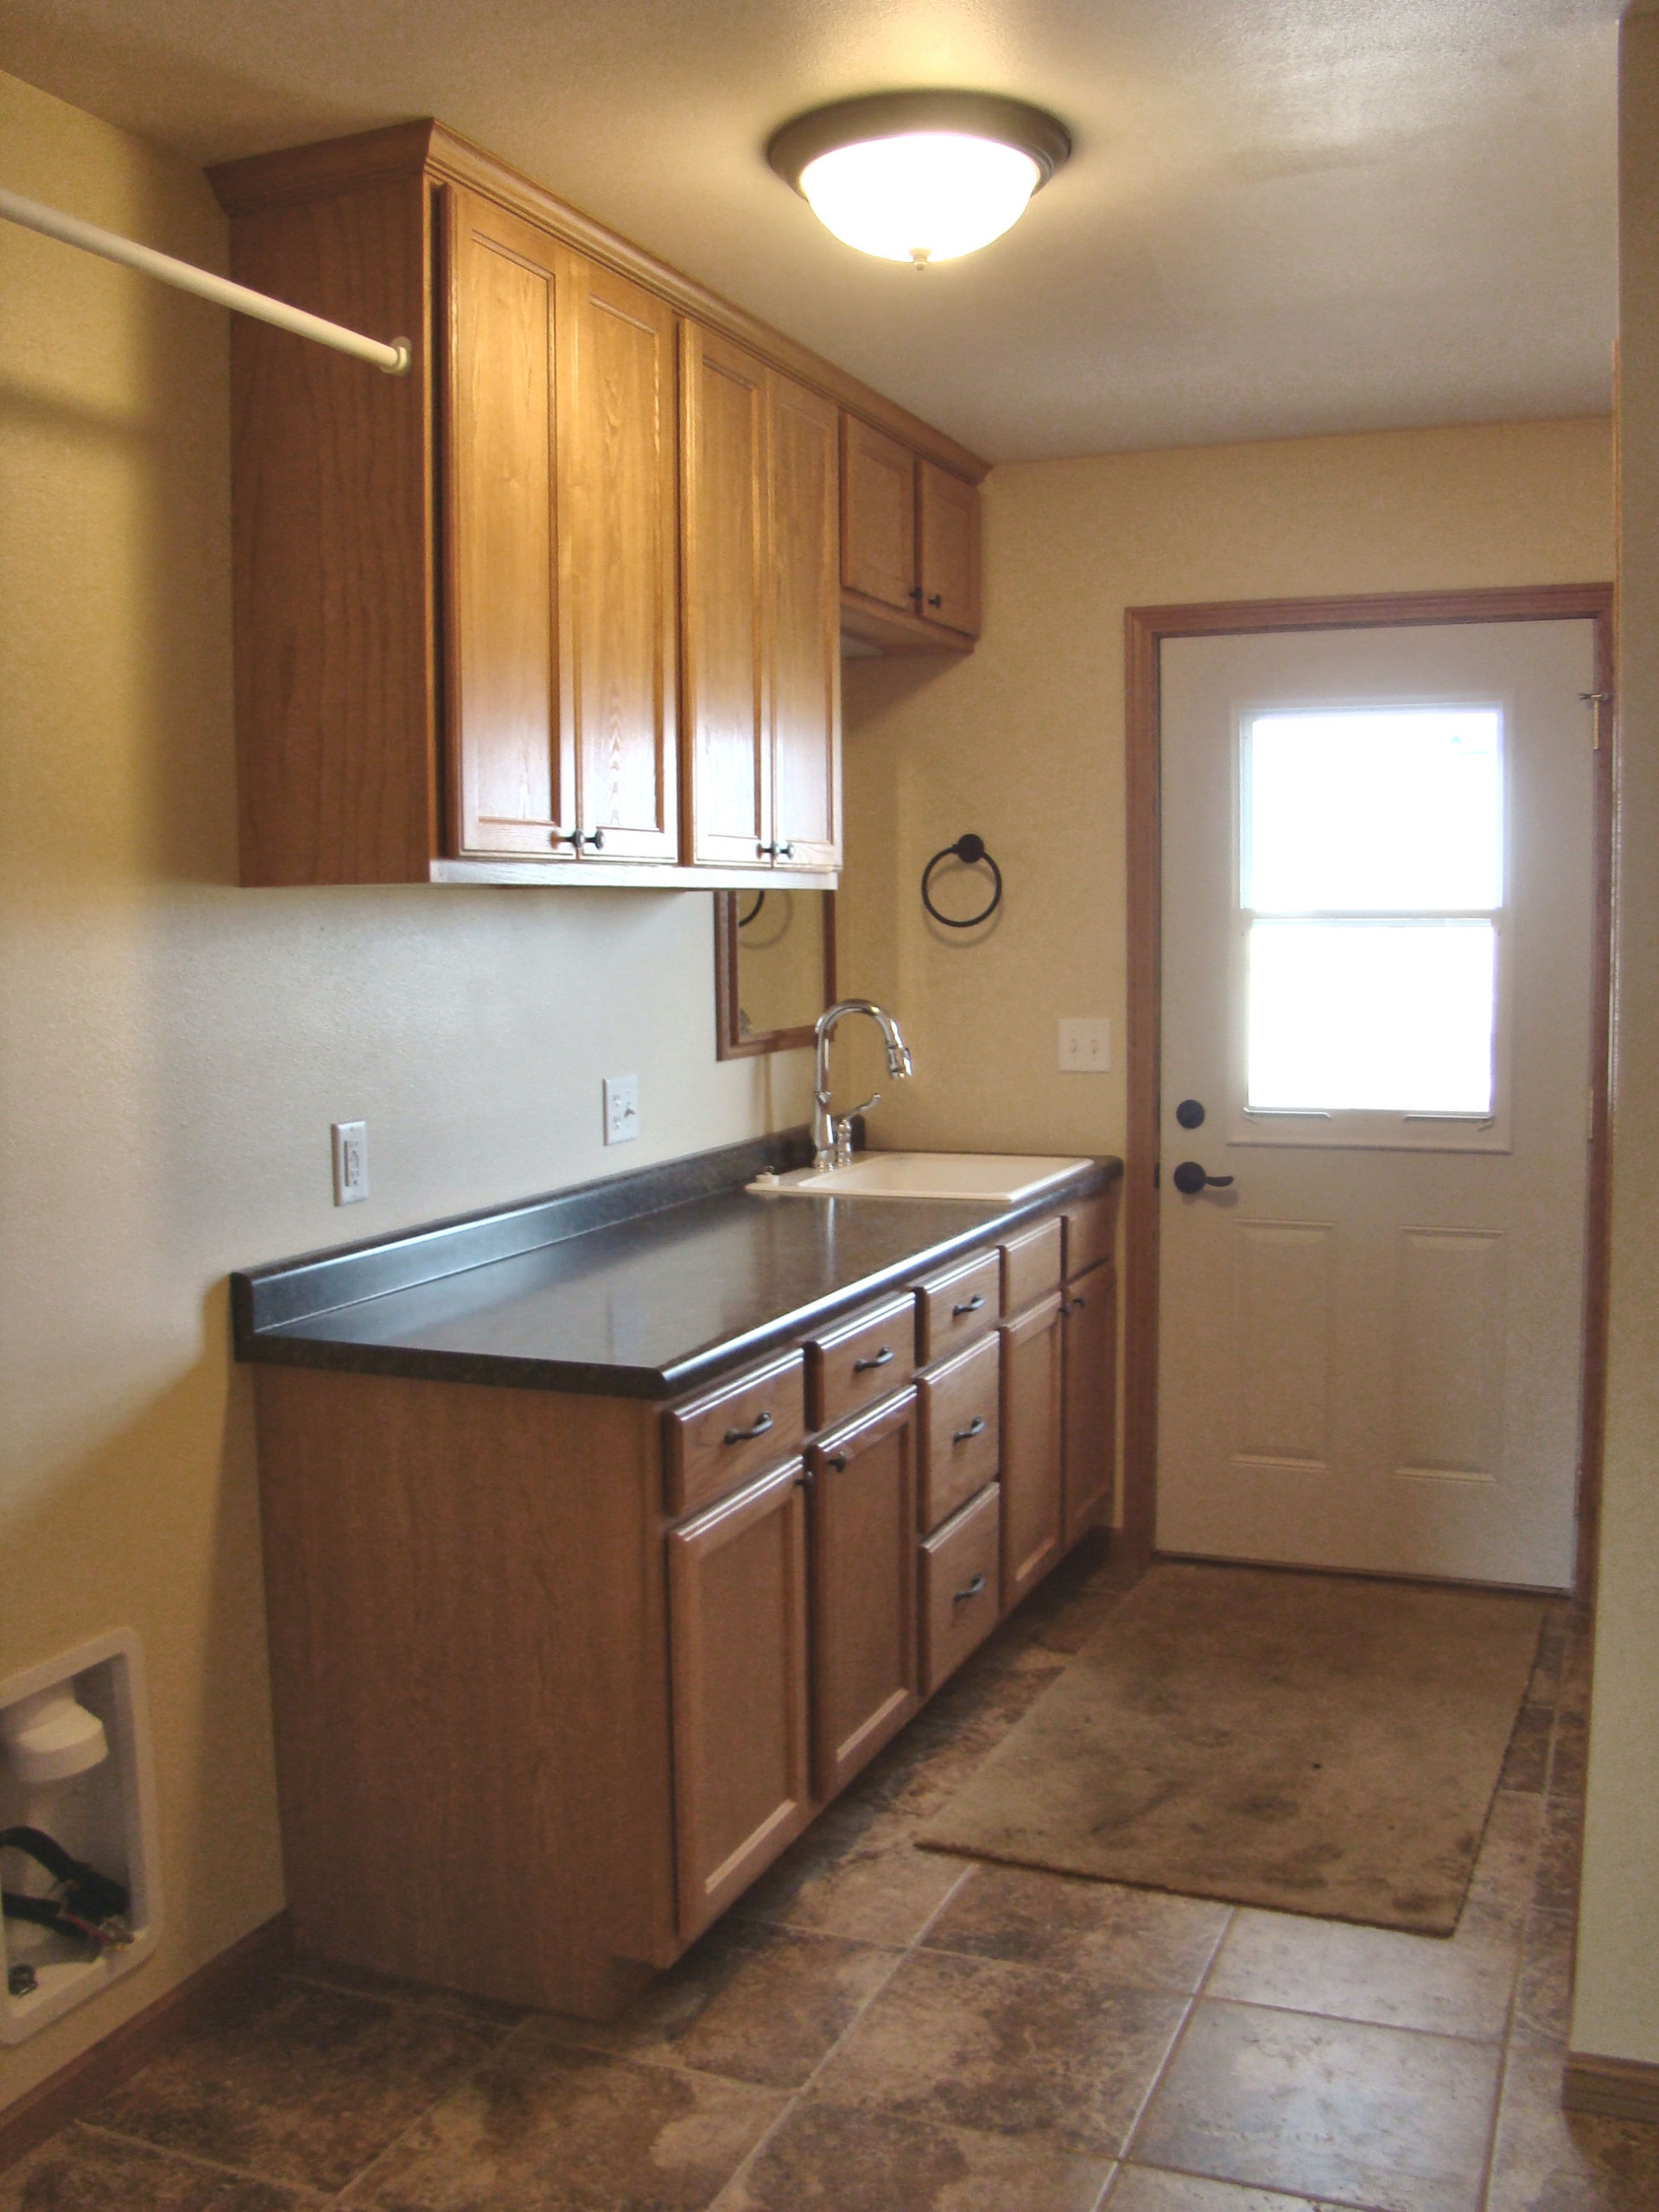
(1377, 930)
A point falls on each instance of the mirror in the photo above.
(774, 969)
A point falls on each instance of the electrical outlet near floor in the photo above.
(351, 1142)
(1086, 1046)
(621, 1108)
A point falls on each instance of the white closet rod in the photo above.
(393, 358)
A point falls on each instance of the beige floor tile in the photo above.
(83, 2171)
(751, 2003)
(1146, 2188)
(543, 2129)
(827, 2157)
(976, 2043)
(1105, 1931)
(1543, 1995)
(856, 1873)
(1555, 1884)
(1547, 2160)
(1455, 1986)
(1378, 2117)
(1526, 1763)
(306, 2085)
(924, 1766)
(1500, 1890)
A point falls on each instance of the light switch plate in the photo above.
(621, 1108)
(1086, 1045)
(351, 1142)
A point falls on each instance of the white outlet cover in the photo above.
(1086, 1045)
(351, 1149)
(621, 1108)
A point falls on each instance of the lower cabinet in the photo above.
(862, 1573)
(738, 1656)
(961, 1585)
(1033, 1433)
(1089, 1328)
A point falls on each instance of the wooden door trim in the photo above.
(1145, 629)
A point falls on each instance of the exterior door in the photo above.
(1377, 945)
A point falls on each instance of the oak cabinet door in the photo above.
(1091, 1336)
(878, 516)
(947, 533)
(724, 524)
(804, 627)
(1031, 1446)
(864, 1661)
(737, 1638)
(512, 769)
(618, 569)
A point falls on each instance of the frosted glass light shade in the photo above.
(919, 176)
(925, 196)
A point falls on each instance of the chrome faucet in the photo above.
(832, 1136)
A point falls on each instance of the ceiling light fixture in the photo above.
(919, 176)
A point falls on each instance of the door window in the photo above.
(1372, 895)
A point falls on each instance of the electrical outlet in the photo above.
(1086, 1046)
(351, 1140)
(621, 1108)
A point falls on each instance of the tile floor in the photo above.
(880, 2029)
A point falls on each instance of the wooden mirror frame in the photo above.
(729, 1043)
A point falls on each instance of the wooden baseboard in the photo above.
(74, 2089)
(1619, 2088)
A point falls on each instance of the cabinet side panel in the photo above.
(336, 721)
(470, 1682)
(805, 626)
(723, 522)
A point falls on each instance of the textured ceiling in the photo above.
(1282, 216)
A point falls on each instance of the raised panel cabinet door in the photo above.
(878, 516)
(619, 558)
(947, 533)
(513, 770)
(1033, 1376)
(723, 526)
(1091, 1337)
(805, 626)
(737, 1641)
(865, 1661)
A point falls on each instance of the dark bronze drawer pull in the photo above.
(972, 1591)
(883, 1359)
(838, 1461)
(748, 1435)
(971, 1305)
(975, 1428)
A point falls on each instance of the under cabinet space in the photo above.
(718, 1439)
(960, 1429)
(859, 1360)
(738, 1665)
(960, 1584)
(957, 1307)
(862, 1553)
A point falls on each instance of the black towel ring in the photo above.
(743, 920)
(970, 850)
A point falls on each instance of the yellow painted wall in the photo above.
(1616, 2008)
(173, 1049)
(1023, 741)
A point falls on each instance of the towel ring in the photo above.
(743, 920)
(970, 850)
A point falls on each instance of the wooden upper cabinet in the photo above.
(511, 763)
(947, 537)
(762, 622)
(620, 559)
(878, 516)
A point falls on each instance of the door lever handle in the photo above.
(1190, 1177)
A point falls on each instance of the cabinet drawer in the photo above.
(960, 1598)
(957, 1307)
(1090, 1232)
(1031, 1265)
(959, 1429)
(859, 1360)
(713, 1442)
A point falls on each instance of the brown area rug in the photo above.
(1312, 1744)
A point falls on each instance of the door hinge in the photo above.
(1157, 1171)
(1597, 700)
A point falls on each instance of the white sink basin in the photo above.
(991, 1176)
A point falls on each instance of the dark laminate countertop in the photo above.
(628, 1288)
